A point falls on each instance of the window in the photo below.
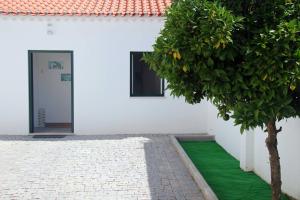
(143, 80)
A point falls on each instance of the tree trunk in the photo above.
(271, 142)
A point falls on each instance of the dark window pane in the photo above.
(144, 82)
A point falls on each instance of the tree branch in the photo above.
(279, 130)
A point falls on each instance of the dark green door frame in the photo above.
(30, 73)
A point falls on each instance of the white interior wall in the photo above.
(50, 93)
(102, 102)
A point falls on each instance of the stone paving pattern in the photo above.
(93, 167)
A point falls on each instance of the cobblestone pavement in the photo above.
(93, 167)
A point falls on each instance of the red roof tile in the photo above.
(84, 7)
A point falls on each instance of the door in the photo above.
(51, 91)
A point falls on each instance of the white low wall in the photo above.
(289, 152)
(229, 137)
(226, 135)
(101, 47)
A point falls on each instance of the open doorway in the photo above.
(51, 91)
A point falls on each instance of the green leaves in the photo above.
(243, 58)
(210, 62)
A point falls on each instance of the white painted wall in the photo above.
(289, 152)
(101, 48)
(225, 133)
(50, 93)
(229, 137)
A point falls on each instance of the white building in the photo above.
(95, 55)
(73, 66)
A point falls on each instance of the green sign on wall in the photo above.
(66, 77)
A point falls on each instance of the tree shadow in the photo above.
(168, 178)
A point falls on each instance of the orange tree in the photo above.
(242, 55)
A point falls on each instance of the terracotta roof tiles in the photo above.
(84, 7)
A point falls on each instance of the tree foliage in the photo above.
(243, 55)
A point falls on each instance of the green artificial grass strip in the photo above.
(223, 174)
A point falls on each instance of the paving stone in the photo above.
(117, 167)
